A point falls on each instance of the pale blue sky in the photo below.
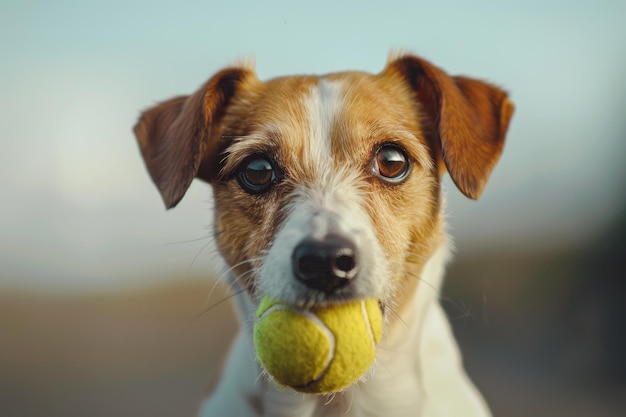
(78, 210)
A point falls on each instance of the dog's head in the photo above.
(328, 188)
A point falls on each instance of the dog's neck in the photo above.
(418, 363)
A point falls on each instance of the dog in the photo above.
(350, 166)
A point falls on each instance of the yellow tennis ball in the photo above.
(321, 350)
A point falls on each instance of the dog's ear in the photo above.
(177, 137)
(470, 118)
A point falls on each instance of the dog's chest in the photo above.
(398, 396)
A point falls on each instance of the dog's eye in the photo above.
(391, 163)
(256, 175)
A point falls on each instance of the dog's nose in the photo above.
(325, 265)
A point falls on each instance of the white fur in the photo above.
(323, 104)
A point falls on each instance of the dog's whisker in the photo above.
(187, 241)
(247, 277)
(352, 400)
(232, 268)
(213, 287)
(262, 375)
(397, 316)
(223, 300)
(217, 233)
(193, 261)
(220, 279)
(465, 311)
(422, 280)
(231, 284)
(216, 283)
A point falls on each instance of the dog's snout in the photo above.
(325, 265)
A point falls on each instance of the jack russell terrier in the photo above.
(352, 162)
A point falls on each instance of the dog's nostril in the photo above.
(344, 265)
(326, 264)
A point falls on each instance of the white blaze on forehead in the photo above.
(323, 103)
(332, 187)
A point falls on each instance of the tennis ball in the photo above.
(320, 350)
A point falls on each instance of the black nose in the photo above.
(325, 265)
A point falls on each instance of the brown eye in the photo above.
(391, 163)
(256, 175)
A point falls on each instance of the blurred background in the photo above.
(102, 291)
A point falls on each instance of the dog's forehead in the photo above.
(339, 101)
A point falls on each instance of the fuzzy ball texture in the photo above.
(321, 350)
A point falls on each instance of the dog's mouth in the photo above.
(381, 305)
(312, 300)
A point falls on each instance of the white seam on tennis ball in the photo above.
(273, 308)
(366, 317)
(312, 317)
(329, 335)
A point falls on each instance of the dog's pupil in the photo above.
(259, 172)
(391, 162)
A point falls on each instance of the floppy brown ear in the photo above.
(176, 136)
(470, 118)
